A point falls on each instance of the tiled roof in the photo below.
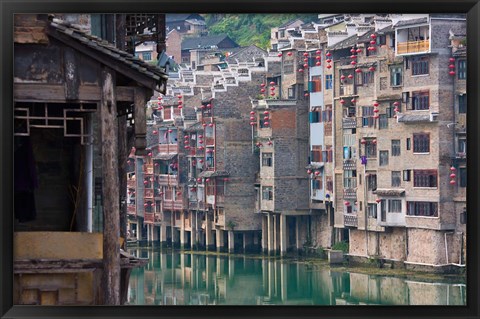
(213, 174)
(58, 27)
(203, 42)
(194, 127)
(347, 43)
(403, 23)
(389, 192)
(173, 17)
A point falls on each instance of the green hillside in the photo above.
(248, 29)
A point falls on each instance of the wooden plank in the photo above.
(30, 35)
(111, 217)
(34, 92)
(72, 82)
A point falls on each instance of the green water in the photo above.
(184, 278)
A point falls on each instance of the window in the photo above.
(267, 159)
(383, 158)
(350, 178)
(288, 66)
(367, 116)
(327, 156)
(315, 117)
(381, 40)
(406, 175)
(420, 65)
(364, 78)
(462, 145)
(372, 210)
(315, 85)
(395, 147)
(147, 56)
(462, 103)
(390, 110)
(368, 52)
(316, 155)
(429, 209)
(329, 181)
(267, 193)
(462, 69)
(370, 149)
(291, 92)
(328, 82)
(421, 143)
(383, 121)
(372, 182)
(394, 205)
(327, 115)
(396, 75)
(462, 176)
(408, 144)
(420, 100)
(425, 178)
(317, 183)
(396, 179)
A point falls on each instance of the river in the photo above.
(186, 278)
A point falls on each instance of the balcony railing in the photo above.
(131, 210)
(148, 193)
(349, 193)
(165, 179)
(176, 205)
(350, 220)
(148, 218)
(349, 164)
(349, 122)
(168, 148)
(413, 47)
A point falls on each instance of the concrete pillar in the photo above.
(220, 242)
(284, 281)
(139, 230)
(231, 267)
(277, 234)
(283, 235)
(209, 261)
(208, 233)
(271, 278)
(231, 241)
(193, 234)
(163, 234)
(298, 220)
(183, 235)
(270, 233)
(265, 233)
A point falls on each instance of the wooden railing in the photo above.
(349, 122)
(350, 220)
(148, 218)
(148, 193)
(168, 148)
(176, 205)
(131, 210)
(413, 46)
(164, 179)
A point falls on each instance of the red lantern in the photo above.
(156, 164)
(347, 203)
(211, 124)
(309, 171)
(328, 60)
(145, 182)
(159, 98)
(145, 205)
(318, 58)
(353, 101)
(378, 200)
(200, 161)
(252, 119)
(451, 66)
(375, 104)
(155, 132)
(317, 173)
(289, 53)
(252, 112)
(272, 83)
(180, 107)
(305, 60)
(328, 66)
(207, 180)
(359, 50)
(209, 105)
(266, 123)
(262, 90)
(149, 154)
(372, 68)
(209, 151)
(452, 168)
(452, 175)
(225, 179)
(342, 77)
(451, 60)
(328, 54)
(373, 42)
(179, 96)
(200, 136)
(342, 101)
(272, 94)
(180, 102)
(170, 131)
(179, 193)
(318, 64)
(272, 88)
(352, 50)
(396, 109)
(396, 104)
(350, 76)
(358, 70)
(363, 141)
(262, 85)
(300, 70)
(269, 143)
(318, 52)
(375, 110)
(187, 147)
(353, 56)
(306, 94)
(452, 182)
(353, 63)
(252, 123)
(279, 55)
(199, 180)
(376, 116)
(305, 54)
(373, 36)
(451, 72)
(266, 112)
(374, 141)
(305, 65)
(204, 124)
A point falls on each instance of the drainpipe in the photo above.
(89, 174)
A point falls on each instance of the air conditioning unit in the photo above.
(433, 116)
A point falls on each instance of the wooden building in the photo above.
(66, 83)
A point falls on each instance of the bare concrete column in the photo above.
(298, 237)
(231, 241)
(271, 233)
(284, 281)
(265, 234)
(139, 231)
(163, 234)
(283, 234)
(183, 235)
(208, 233)
(277, 233)
(193, 233)
(231, 267)
(220, 244)
(208, 272)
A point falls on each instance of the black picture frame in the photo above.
(10, 7)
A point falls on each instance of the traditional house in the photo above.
(73, 96)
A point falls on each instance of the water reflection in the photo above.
(175, 278)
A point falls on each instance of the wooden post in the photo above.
(140, 99)
(111, 224)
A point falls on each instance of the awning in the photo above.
(164, 157)
(389, 192)
(314, 166)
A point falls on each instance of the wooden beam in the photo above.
(111, 218)
(35, 92)
(122, 174)
(140, 118)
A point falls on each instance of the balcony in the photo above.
(173, 205)
(168, 148)
(148, 193)
(131, 210)
(131, 183)
(148, 168)
(350, 220)
(148, 218)
(349, 122)
(350, 193)
(166, 179)
(349, 164)
(410, 47)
